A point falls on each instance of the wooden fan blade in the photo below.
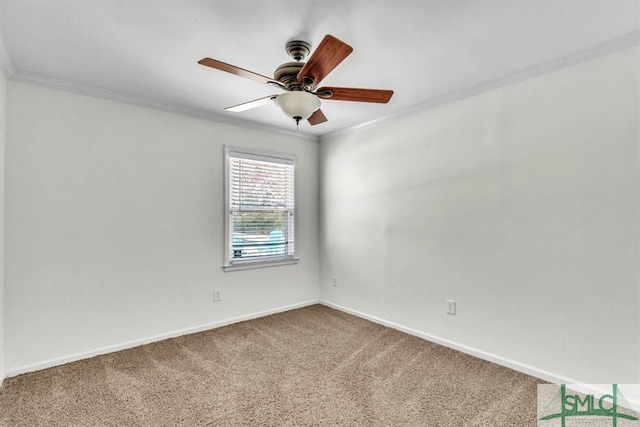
(380, 96)
(252, 104)
(223, 66)
(317, 117)
(329, 53)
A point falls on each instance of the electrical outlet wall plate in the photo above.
(451, 307)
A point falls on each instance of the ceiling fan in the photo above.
(300, 80)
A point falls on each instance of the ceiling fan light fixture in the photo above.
(298, 105)
(302, 99)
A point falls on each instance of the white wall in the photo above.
(114, 226)
(3, 104)
(521, 204)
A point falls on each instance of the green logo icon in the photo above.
(588, 409)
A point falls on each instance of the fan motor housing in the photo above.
(287, 74)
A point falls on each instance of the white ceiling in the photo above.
(428, 52)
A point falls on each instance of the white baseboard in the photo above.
(135, 343)
(494, 358)
(634, 401)
(515, 365)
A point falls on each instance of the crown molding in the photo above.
(6, 65)
(153, 104)
(10, 73)
(619, 44)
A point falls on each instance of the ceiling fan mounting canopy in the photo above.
(298, 49)
(300, 80)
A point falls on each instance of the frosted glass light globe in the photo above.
(298, 105)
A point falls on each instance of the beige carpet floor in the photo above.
(313, 366)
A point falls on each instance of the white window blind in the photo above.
(261, 208)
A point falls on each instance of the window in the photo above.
(260, 201)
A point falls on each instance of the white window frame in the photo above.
(231, 264)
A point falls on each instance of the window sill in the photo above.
(249, 265)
